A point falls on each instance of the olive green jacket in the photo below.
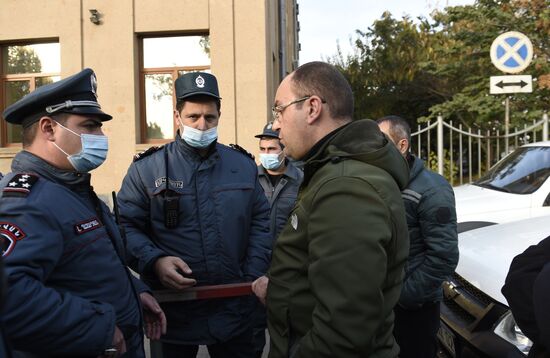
(337, 266)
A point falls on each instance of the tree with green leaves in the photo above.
(442, 66)
(22, 59)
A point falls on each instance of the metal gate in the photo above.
(463, 154)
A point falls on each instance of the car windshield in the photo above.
(522, 172)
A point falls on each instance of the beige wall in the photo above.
(243, 38)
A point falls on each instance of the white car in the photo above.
(475, 319)
(517, 187)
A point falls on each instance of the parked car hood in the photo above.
(486, 253)
(474, 203)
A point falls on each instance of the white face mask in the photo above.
(272, 161)
(93, 153)
(197, 138)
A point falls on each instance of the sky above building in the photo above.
(324, 23)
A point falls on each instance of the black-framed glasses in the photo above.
(277, 110)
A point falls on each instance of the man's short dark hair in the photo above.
(324, 80)
(273, 138)
(201, 98)
(29, 133)
(399, 128)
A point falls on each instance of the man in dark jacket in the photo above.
(279, 178)
(281, 181)
(337, 266)
(527, 290)
(69, 291)
(195, 213)
(431, 219)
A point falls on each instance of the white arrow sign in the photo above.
(511, 84)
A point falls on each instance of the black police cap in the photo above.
(268, 132)
(76, 94)
(197, 83)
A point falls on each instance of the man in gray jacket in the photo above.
(279, 178)
(431, 219)
(281, 181)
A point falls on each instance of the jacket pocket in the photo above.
(278, 295)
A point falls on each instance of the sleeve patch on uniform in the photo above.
(238, 148)
(20, 185)
(443, 215)
(87, 225)
(9, 235)
(146, 153)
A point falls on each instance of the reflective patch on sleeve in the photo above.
(9, 235)
(443, 215)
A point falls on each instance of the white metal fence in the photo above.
(460, 154)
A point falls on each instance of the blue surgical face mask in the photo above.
(272, 161)
(197, 138)
(93, 153)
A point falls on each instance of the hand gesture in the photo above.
(173, 272)
(155, 320)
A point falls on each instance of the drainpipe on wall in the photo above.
(282, 39)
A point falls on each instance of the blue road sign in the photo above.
(511, 52)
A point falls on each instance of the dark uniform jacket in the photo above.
(222, 231)
(67, 286)
(282, 196)
(431, 219)
(527, 290)
(337, 266)
(5, 349)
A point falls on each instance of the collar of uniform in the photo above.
(416, 165)
(27, 162)
(292, 171)
(194, 152)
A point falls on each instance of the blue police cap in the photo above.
(197, 83)
(76, 94)
(268, 132)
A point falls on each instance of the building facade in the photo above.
(137, 49)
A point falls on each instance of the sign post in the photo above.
(511, 52)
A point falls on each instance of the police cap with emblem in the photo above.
(197, 83)
(76, 94)
(268, 132)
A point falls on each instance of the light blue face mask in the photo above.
(272, 161)
(197, 138)
(93, 153)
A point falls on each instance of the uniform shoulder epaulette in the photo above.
(20, 185)
(238, 148)
(147, 152)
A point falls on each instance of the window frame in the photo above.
(29, 77)
(173, 71)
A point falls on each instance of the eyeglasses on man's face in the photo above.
(277, 110)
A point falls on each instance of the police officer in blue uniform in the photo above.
(70, 293)
(195, 213)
